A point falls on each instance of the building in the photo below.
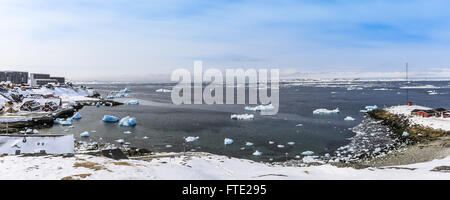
(16, 77)
(37, 79)
(438, 112)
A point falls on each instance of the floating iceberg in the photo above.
(191, 139)
(228, 141)
(85, 134)
(322, 111)
(248, 144)
(127, 132)
(128, 121)
(163, 90)
(280, 146)
(120, 141)
(307, 153)
(168, 146)
(370, 108)
(271, 142)
(125, 90)
(257, 153)
(63, 122)
(35, 131)
(110, 118)
(97, 104)
(298, 125)
(348, 118)
(76, 116)
(291, 143)
(145, 137)
(259, 108)
(405, 134)
(131, 102)
(242, 117)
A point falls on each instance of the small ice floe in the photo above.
(333, 92)
(35, 131)
(168, 146)
(242, 148)
(298, 125)
(432, 92)
(228, 141)
(125, 90)
(363, 111)
(85, 134)
(242, 117)
(127, 132)
(29, 131)
(66, 130)
(145, 137)
(348, 118)
(307, 153)
(259, 108)
(76, 116)
(191, 138)
(131, 102)
(271, 142)
(370, 108)
(163, 90)
(128, 121)
(381, 89)
(405, 134)
(291, 143)
(93, 131)
(322, 111)
(280, 146)
(110, 118)
(63, 122)
(257, 153)
(120, 141)
(248, 144)
(297, 157)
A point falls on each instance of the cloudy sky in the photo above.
(145, 39)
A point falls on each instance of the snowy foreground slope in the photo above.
(197, 166)
(432, 122)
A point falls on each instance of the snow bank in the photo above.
(36, 144)
(322, 111)
(202, 166)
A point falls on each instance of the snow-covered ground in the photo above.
(66, 94)
(198, 166)
(432, 122)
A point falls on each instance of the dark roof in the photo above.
(426, 111)
(440, 109)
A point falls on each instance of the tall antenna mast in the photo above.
(407, 84)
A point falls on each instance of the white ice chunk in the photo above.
(307, 153)
(228, 141)
(128, 121)
(85, 134)
(348, 118)
(257, 153)
(259, 108)
(191, 138)
(321, 111)
(242, 117)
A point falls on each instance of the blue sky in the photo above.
(140, 40)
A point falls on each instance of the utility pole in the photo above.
(407, 84)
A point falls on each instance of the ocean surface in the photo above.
(165, 125)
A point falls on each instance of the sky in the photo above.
(146, 40)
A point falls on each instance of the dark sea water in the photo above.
(166, 124)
